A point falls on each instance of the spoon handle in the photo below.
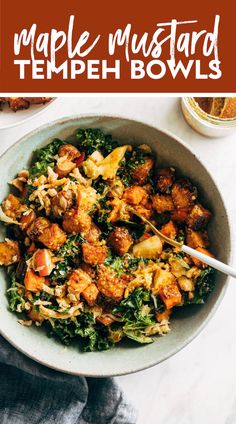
(214, 263)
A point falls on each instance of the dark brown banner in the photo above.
(49, 46)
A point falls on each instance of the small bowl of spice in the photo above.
(210, 116)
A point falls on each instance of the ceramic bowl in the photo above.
(127, 357)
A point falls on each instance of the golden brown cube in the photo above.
(162, 203)
(110, 285)
(94, 254)
(9, 252)
(198, 217)
(78, 281)
(53, 237)
(183, 194)
(165, 179)
(170, 295)
(90, 294)
(76, 220)
(120, 240)
(135, 195)
(197, 238)
(169, 230)
(141, 172)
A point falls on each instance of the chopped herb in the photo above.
(133, 263)
(180, 237)
(136, 314)
(69, 253)
(84, 328)
(204, 286)
(14, 292)
(100, 185)
(45, 157)
(91, 139)
(101, 217)
(116, 263)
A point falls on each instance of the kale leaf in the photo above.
(92, 335)
(91, 139)
(133, 263)
(204, 286)
(181, 236)
(100, 185)
(14, 293)
(137, 312)
(115, 263)
(101, 217)
(69, 253)
(63, 329)
(45, 158)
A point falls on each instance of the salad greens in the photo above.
(92, 139)
(14, 294)
(69, 253)
(45, 157)
(93, 336)
(136, 315)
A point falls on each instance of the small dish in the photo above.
(204, 123)
(9, 119)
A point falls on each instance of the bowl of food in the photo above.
(86, 287)
(17, 110)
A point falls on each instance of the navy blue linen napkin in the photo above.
(33, 394)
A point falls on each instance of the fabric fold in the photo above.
(31, 393)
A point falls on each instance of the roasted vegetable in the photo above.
(165, 179)
(198, 217)
(82, 263)
(76, 221)
(150, 248)
(9, 252)
(34, 282)
(184, 194)
(162, 203)
(120, 240)
(94, 254)
(170, 295)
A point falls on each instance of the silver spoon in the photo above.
(214, 263)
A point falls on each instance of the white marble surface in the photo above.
(198, 385)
